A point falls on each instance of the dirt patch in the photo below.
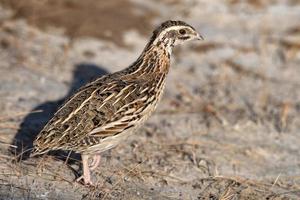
(102, 19)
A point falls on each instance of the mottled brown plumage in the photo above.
(108, 110)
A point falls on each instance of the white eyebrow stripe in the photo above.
(167, 30)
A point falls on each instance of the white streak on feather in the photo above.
(129, 93)
(110, 125)
(82, 104)
(144, 90)
(122, 91)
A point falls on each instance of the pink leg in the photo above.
(95, 163)
(86, 171)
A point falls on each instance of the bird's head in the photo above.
(172, 33)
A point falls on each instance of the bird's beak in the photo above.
(199, 37)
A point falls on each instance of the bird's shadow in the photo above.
(34, 122)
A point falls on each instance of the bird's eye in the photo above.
(182, 31)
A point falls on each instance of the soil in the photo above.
(102, 19)
(226, 128)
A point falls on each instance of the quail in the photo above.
(108, 110)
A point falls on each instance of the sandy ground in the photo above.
(227, 127)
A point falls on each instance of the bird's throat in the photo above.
(154, 60)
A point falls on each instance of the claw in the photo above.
(85, 182)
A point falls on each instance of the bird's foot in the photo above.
(85, 181)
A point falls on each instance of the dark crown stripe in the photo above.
(168, 24)
(165, 25)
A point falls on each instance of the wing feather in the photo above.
(101, 114)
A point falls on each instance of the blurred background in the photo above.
(228, 126)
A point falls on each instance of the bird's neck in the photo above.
(155, 59)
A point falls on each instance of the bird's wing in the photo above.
(97, 112)
(123, 109)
